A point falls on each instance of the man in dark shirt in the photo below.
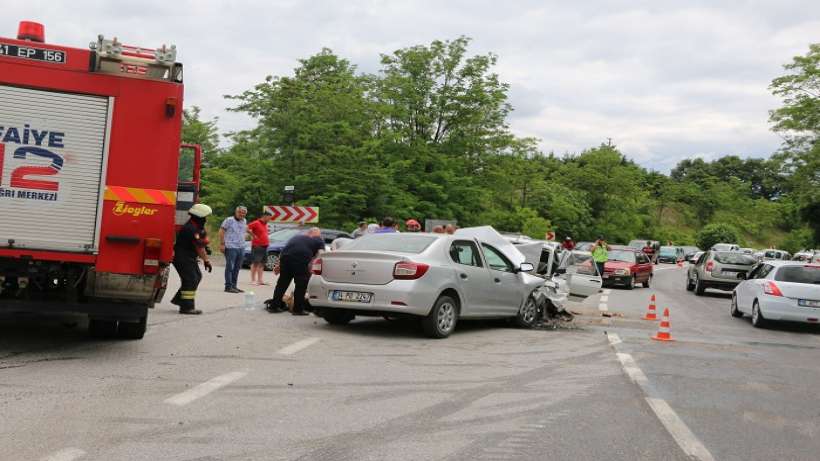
(293, 266)
(190, 244)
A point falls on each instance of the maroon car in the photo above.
(627, 266)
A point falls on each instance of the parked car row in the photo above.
(771, 289)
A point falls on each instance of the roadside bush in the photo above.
(798, 239)
(716, 233)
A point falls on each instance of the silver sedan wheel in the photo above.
(529, 312)
(446, 317)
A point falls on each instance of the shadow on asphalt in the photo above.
(791, 327)
(26, 332)
(410, 328)
(717, 294)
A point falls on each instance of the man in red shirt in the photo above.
(258, 230)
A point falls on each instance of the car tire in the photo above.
(757, 317)
(132, 330)
(700, 287)
(630, 284)
(528, 314)
(733, 308)
(102, 329)
(442, 319)
(689, 285)
(270, 260)
(337, 316)
(647, 281)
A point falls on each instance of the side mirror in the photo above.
(526, 267)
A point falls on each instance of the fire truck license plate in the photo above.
(36, 54)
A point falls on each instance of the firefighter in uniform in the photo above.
(191, 243)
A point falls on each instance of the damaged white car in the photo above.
(436, 278)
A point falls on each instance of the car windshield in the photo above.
(637, 243)
(734, 258)
(668, 251)
(400, 243)
(799, 274)
(622, 255)
(283, 235)
(722, 247)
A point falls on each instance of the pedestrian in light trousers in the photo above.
(232, 244)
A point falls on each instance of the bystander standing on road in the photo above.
(450, 229)
(232, 244)
(412, 225)
(361, 230)
(258, 231)
(568, 244)
(438, 229)
(388, 225)
(191, 243)
(294, 262)
(372, 228)
(600, 254)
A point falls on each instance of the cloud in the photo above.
(664, 80)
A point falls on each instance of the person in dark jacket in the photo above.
(294, 262)
(191, 242)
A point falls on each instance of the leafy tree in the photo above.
(799, 121)
(716, 233)
(799, 118)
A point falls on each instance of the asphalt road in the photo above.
(237, 384)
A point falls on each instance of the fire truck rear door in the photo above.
(54, 149)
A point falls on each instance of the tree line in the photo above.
(427, 137)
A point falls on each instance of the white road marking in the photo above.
(66, 454)
(607, 291)
(205, 388)
(683, 436)
(604, 298)
(603, 307)
(688, 442)
(298, 346)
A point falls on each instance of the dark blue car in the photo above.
(280, 238)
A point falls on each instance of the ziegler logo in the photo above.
(120, 208)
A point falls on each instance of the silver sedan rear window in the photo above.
(799, 274)
(400, 243)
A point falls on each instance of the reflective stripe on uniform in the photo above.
(187, 294)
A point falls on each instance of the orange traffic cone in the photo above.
(651, 314)
(663, 333)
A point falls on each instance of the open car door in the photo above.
(577, 270)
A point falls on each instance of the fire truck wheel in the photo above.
(102, 329)
(132, 330)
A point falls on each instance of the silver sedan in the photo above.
(439, 278)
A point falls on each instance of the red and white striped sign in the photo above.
(297, 214)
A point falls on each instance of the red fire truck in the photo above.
(92, 178)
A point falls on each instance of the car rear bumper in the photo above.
(786, 309)
(398, 296)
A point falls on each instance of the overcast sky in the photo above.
(664, 80)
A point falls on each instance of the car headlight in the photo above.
(622, 272)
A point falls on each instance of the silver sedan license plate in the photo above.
(808, 303)
(351, 296)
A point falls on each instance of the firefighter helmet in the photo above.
(200, 210)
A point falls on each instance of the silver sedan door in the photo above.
(507, 287)
(472, 276)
